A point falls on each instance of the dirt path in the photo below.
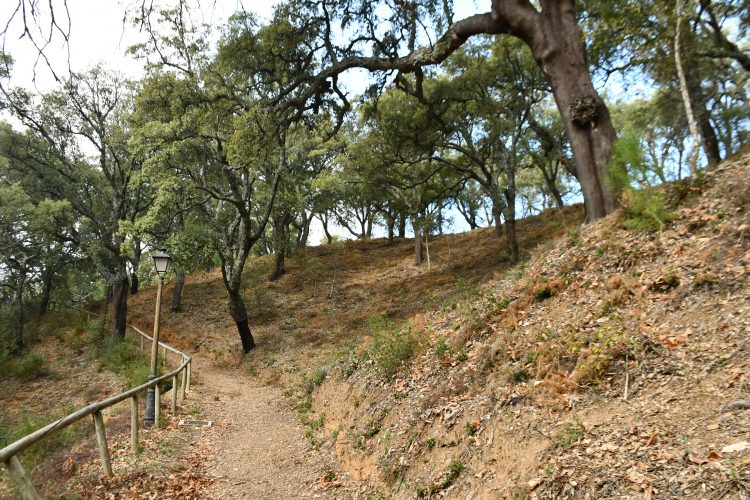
(260, 448)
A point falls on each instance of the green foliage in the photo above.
(543, 293)
(391, 348)
(571, 434)
(12, 429)
(430, 443)
(310, 382)
(442, 349)
(27, 367)
(519, 376)
(455, 469)
(124, 359)
(643, 209)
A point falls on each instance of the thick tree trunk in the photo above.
(419, 247)
(305, 234)
(133, 283)
(47, 276)
(239, 314)
(120, 307)
(497, 212)
(703, 116)
(107, 299)
(510, 236)
(557, 45)
(280, 227)
(390, 224)
(177, 292)
(510, 216)
(324, 223)
(278, 269)
(20, 312)
(368, 232)
(402, 225)
(135, 263)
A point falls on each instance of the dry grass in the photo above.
(329, 293)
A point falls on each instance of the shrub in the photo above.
(314, 380)
(441, 349)
(13, 429)
(642, 209)
(571, 434)
(391, 348)
(27, 367)
(124, 359)
(519, 376)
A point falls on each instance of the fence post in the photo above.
(141, 341)
(157, 405)
(174, 395)
(187, 384)
(23, 483)
(134, 423)
(101, 439)
(184, 380)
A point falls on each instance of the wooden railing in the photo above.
(9, 454)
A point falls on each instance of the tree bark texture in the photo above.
(177, 292)
(120, 306)
(419, 247)
(238, 311)
(509, 214)
(557, 45)
(20, 311)
(280, 236)
(47, 277)
(497, 216)
(402, 225)
(133, 283)
(684, 90)
(278, 268)
(390, 224)
(702, 115)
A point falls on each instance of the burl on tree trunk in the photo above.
(557, 45)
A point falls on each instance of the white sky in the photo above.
(98, 34)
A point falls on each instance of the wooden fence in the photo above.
(9, 454)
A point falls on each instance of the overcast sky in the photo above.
(98, 34)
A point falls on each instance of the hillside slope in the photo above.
(612, 362)
(615, 364)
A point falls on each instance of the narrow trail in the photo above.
(260, 448)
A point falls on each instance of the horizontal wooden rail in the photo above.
(9, 454)
(57, 425)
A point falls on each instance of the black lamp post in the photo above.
(161, 263)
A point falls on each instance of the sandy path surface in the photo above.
(260, 448)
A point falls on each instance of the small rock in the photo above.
(731, 448)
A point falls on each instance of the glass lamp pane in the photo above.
(161, 262)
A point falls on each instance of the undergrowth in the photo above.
(124, 359)
(643, 209)
(392, 347)
(12, 429)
